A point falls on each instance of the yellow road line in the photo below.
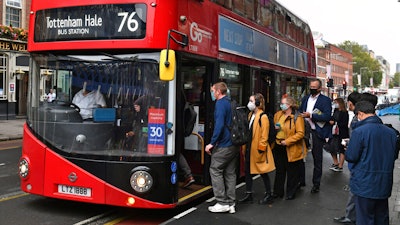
(194, 193)
(13, 197)
(9, 147)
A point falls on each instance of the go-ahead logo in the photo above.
(197, 34)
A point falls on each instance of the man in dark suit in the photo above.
(316, 108)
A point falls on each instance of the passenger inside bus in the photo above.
(136, 139)
(88, 99)
(51, 96)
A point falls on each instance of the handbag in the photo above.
(332, 146)
(335, 129)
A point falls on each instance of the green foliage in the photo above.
(396, 81)
(362, 59)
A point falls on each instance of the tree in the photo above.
(362, 59)
(396, 81)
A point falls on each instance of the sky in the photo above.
(375, 23)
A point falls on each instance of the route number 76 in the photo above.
(131, 23)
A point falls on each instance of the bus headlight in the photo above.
(23, 168)
(141, 181)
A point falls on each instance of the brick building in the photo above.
(336, 64)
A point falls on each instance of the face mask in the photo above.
(212, 96)
(251, 106)
(284, 107)
(313, 91)
(335, 105)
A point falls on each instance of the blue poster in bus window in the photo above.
(235, 38)
(156, 131)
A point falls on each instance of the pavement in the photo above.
(306, 209)
(11, 129)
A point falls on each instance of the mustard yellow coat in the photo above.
(294, 136)
(260, 162)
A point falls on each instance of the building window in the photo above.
(13, 13)
(3, 76)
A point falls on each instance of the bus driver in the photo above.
(87, 101)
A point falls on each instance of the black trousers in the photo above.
(286, 171)
(249, 177)
(318, 144)
(293, 177)
(281, 163)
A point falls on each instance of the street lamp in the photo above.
(47, 74)
(376, 71)
(361, 69)
(18, 73)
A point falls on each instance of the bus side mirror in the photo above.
(167, 65)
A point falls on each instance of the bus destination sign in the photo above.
(95, 22)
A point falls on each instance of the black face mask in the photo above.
(313, 91)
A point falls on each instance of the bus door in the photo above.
(263, 82)
(193, 82)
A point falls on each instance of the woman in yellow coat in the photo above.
(289, 148)
(258, 156)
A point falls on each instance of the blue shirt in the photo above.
(222, 119)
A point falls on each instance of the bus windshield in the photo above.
(110, 105)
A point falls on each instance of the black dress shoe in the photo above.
(314, 189)
(274, 195)
(290, 197)
(248, 198)
(268, 199)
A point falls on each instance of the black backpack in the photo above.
(272, 131)
(189, 118)
(240, 133)
(398, 138)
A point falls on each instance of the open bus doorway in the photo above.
(193, 87)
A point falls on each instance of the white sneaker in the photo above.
(217, 208)
(337, 169)
(232, 209)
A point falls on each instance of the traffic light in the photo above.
(344, 85)
(330, 82)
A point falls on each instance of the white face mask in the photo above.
(251, 106)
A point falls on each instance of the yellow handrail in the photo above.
(202, 146)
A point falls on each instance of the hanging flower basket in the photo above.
(12, 33)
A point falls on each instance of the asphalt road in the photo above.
(20, 208)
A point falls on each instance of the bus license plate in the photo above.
(72, 190)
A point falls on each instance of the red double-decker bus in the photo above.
(104, 58)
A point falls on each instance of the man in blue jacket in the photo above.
(223, 153)
(372, 151)
(316, 108)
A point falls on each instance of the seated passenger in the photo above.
(51, 96)
(87, 101)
